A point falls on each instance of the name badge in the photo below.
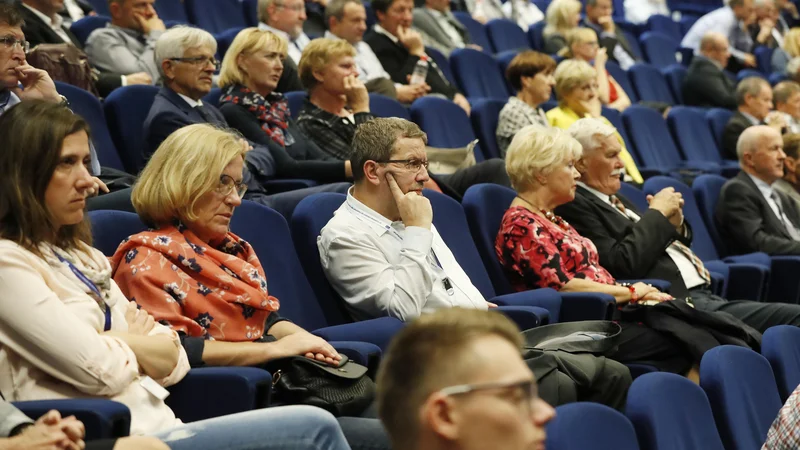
(155, 389)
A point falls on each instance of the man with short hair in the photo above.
(754, 100)
(767, 29)
(706, 84)
(127, 44)
(439, 27)
(469, 387)
(599, 17)
(751, 216)
(786, 96)
(654, 243)
(285, 18)
(790, 183)
(731, 21)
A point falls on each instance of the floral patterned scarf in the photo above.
(213, 292)
(272, 112)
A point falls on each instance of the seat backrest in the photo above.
(675, 74)
(296, 100)
(716, 119)
(635, 195)
(84, 27)
(100, 7)
(268, 233)
(665, 25)
(477, 31)
(694, 139)
(442, 62)
(686, 23)
(383, 106)
(371, 18)
(777, 77)
(623, 79)
(650, 84)
(763, 56)
(650, 137)
(747, 73)
(477, 74)
(536, 35)
(451, 222)
(706, 189)
(225, 39)
(615, 117)
(741, 387)
(86, 105)
(484, 117)
(580, 426)
(702, 244)
(213, 97)
(636, 49)
(484, 206)
(505, 35)
(503, 61)
(659, 49)
(446, 124)
(110, 228)
(172, 10)
(308, 219)
(215, 16)
(781, 346)
(669, 412)
(126, 109)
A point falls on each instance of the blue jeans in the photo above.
(287, 427)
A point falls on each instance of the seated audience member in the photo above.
(650, 244)
(68, 331)
(766, 30)
(600, 18)
(790, 50)
(531, 75)
(186, 58)
(638, 11)
(754, 100)
(188, 193)
(338, 103)
(439, 27)
(790, 183)
(787, 13)
(285, 18)
(706, 84)
(43, 25)
(751, 216)
(786, 96)
(731, 21)
(562, 16)
(446, 401)
(399, 47)
(576, 87)
(347, 19)
(75, 10)
(127, 44)
(782, 434)
(384, 257)
(524, 12)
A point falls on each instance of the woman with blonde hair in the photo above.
(562, 16)
(790, 50)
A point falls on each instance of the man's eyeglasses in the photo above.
(199, 61)
(228, 185)
(526, 391)
(10, 42)
(409, 164)
(295, 8)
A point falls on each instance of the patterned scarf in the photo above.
(272, 112)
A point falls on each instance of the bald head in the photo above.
(714, 46)
(749, 140)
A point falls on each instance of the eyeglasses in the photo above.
(527, 389)
(10, 42)
(199, 61)
(295, 8)
(228, 185)
(409, 164)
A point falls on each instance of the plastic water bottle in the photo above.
(420, 71)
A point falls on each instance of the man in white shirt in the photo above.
(732, 21)
(638, 11)
(786, 96)
(285, 18)
(440, 29)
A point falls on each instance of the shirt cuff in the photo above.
(124, 80)
(417, 239)
(194, 347)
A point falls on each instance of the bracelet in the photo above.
(634, 297)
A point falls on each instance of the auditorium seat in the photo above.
(717, 118)
(171, 10)
(504, 60)
(675, 74)
(536, 35)
(213, 97)
(666, 26)
(477, 31)
(505, 34)
(100, 7)
(659, 49)
(216, 16)
(695, 140)
(583, 425)
(83, 28)
(484, 117)
(780, 344)
(747, 73)
(777, 77)
(442, 62)
(477, 74)
(225, 39)
(650, 84)
(763, 56)
(623, 79)
(102, 419)
(446, 124)
(383, 106)
(126, 109)
(296, 100)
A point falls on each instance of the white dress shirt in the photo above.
(369, 66)
(767, 192)
(383, 268)
(56, 24)
(295, 46)
(527, 13)
(691, 278)
(721, 20)
(638, 11)
(73, 10)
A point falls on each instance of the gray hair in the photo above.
(749, 140)
(749, 86)
(262, 10)
(177, 40)
(589, 131)
(335, 8)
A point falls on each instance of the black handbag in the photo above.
(345, 390)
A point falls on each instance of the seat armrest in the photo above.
(661, 285)
(543, 298)
(364, 353)
(375, 331)
(748, 282)
(209, 392)
(103, 419)
(784, 285)
(526, 317)
(720, 274)
(577, 306)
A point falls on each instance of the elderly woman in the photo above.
(790, 50)
(576, 88)
(67, 329)
(562, 16)
(250, 72)
(531, 75)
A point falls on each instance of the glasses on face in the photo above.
(10, 42)
(525, 392)
(295, 8)
(201, 61)
(228, 185)
(409, 164)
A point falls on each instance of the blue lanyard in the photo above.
(93, 287)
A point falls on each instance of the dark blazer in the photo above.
(747, 224)
(629, 250)
(610, 42)
(399, 64)
(707, 86)
(733, 129)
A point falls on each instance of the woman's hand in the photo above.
(642, 289)
(96, 188)
(139, 321)
(312, 347)
(600, 59)
(656, 296)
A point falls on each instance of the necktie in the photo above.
(204, 114)
(618, 204)
(785, 220)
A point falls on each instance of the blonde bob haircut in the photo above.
(318, 54)
(791, 43)
(580, 35)
(248, 41)
(185, 166)
(558, 16)
(571, 74)
(536, 151)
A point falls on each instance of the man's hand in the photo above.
(411, 40)
(96, 188)
(776, 120)
(765, 30)
(667, 202)
(600, 59)
(151, 24)
(71, 426)
(475, 47)
(50, 432)
(312, 347)
(607, 22)
(749, 60)
(356, 94)
(407, 93)
(461, 101)
(36, 84)
(415, 210)
(138, 78)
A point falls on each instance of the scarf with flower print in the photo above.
(272, 111)
(212, 292)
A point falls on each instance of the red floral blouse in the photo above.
(537, 253)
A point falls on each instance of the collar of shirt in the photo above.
(192, 102)
(603, 197)
(751, 118)
(135, 34)
(380, 30)
(281, 33)
(715, 63)
(378, 223)
(766, 189)
(54, 23)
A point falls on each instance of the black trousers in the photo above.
(756, 314)
(641, 344)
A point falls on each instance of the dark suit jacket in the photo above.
(733, 129)
(628, 250)
(747, 224)
(398, 63)
(708, 86)
(610, 42)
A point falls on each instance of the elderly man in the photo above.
(790, 183)
(706, 84)
(647, 244)
(754, 100)
(127, 44)
(285, 18)
(767, 29)
(448, 402)
(752, 216)
(599, 17)
(786, 96)
(731, 21)
(439, 27)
